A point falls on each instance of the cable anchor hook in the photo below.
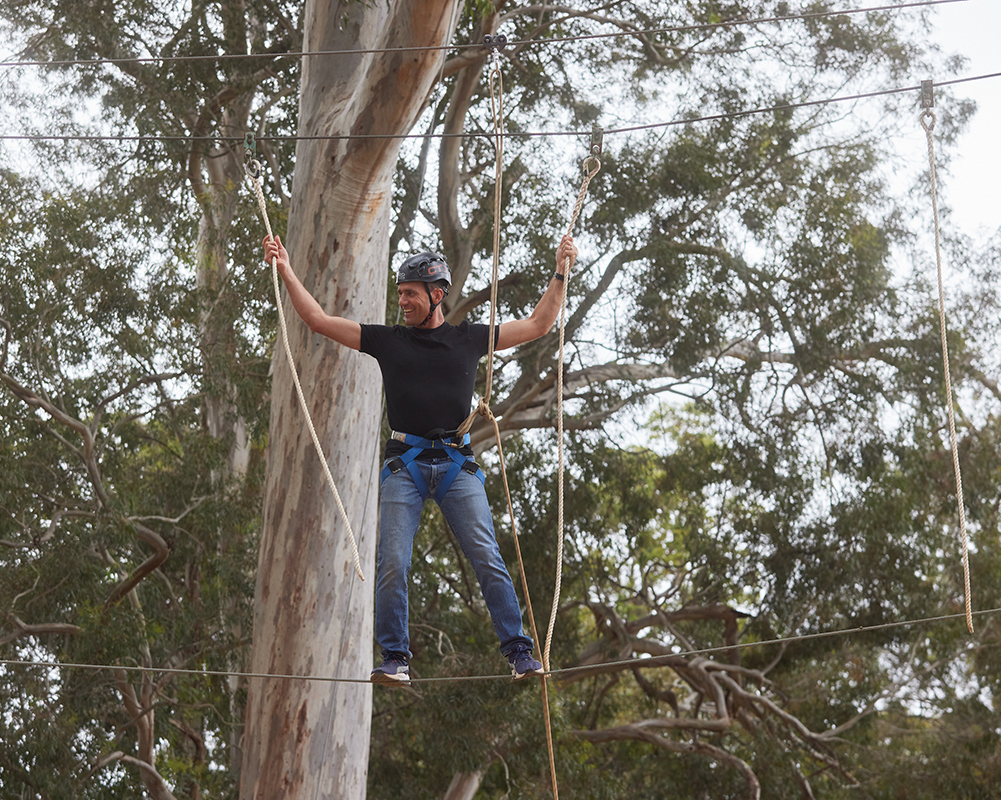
(495, 44)
(594, 149)
(250, 163)
(927, 116)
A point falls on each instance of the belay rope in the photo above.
(495, 43)
(253, 170)
(591, 167)
(927, 119)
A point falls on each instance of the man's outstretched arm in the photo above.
(341, 330)
(542, 318)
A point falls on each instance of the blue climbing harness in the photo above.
(418, 444)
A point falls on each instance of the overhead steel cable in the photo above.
(649, 661)
(705, 26)
(487, 134)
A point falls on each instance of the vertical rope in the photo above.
(483, 407)
(928, 123)
(497, 106)
(253, 169)
(589, 173)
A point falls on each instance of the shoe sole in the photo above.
(385, 679)
(520, 675)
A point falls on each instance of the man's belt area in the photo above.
(448, 443)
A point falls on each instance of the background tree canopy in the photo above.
(756, 407)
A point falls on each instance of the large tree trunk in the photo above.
(312, 616)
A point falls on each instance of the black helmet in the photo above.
(430, 269)
(426, 268)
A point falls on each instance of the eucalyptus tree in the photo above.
(145, 369)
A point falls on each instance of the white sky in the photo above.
(970, 189)
(972, 29)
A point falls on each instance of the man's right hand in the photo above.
(274, 249)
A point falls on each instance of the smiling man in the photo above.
(428, 371)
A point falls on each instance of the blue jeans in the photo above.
(467, 512)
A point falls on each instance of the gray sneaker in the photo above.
(394, 671)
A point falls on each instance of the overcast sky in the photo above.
(973, 29)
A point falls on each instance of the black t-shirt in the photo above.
(428, 375)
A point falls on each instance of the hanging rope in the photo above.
(591, 167)
(253, 170)
(497, 107)
(927, 118)
(588, 174)
(483, 407)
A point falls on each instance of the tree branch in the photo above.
(87, 455)
(643, 731)
(38, 629)
(160, 554)
(471, 301)
(152, 779)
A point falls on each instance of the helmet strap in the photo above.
(434, 305)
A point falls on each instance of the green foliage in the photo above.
(89, 337)
(745, 270)
(121, 343)
(749, 263)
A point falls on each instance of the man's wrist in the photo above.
(559, 276)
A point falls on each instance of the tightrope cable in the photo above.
(473, 134)
(651, 661)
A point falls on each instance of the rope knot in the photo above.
(484, 410)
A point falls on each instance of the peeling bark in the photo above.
(312, 616)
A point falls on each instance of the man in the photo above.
(429, 369)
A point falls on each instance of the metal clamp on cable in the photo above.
(250, 163)
(495, 44)
(592, 163)
(927, 117)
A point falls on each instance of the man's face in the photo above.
(413, 301)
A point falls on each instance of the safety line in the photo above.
(591, 166)
(632, 662)
(253, 170)
(476, 45)
(483, 409)
(485, 134)
(927, 119)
